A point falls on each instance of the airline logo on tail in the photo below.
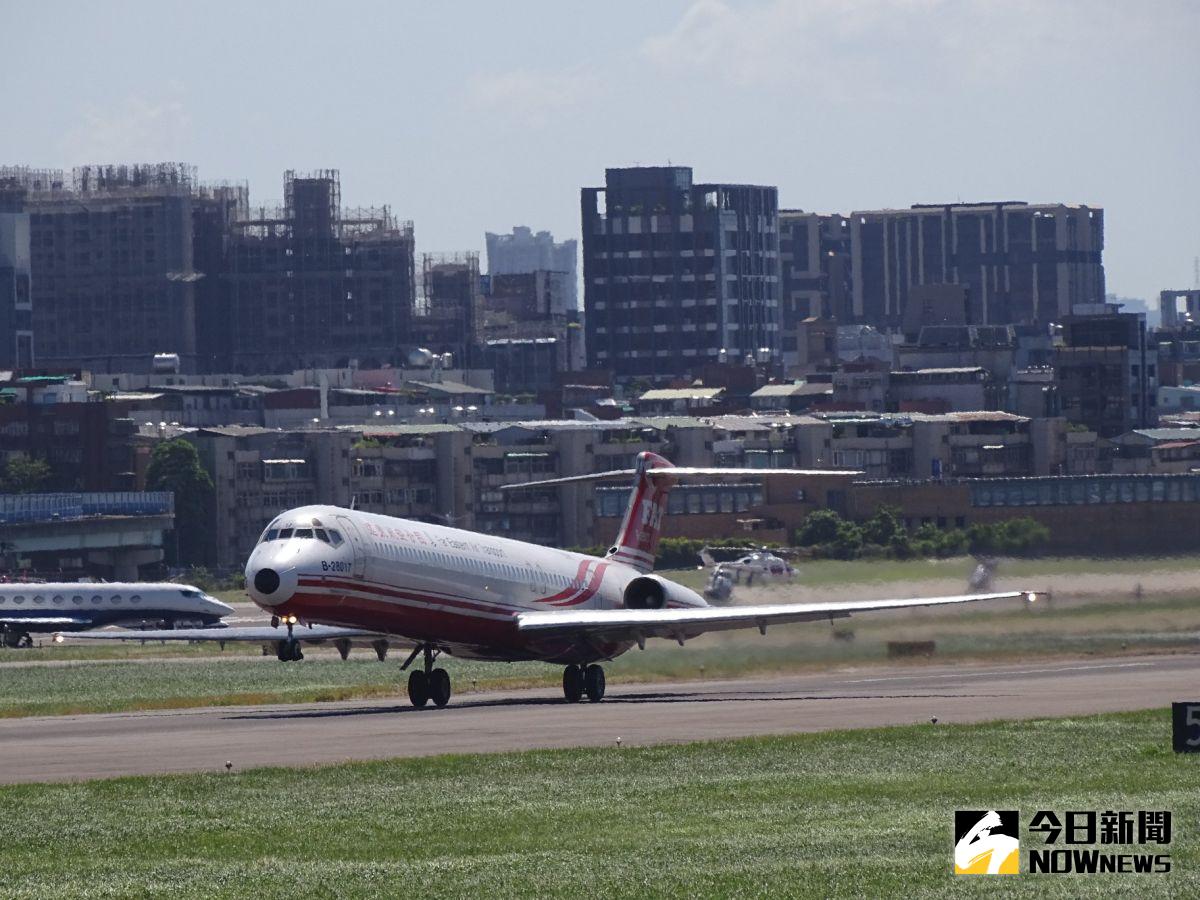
(637, 541)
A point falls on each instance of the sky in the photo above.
(469, 117)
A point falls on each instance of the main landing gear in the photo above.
(17, 639)
(427, 683)
(580, 680)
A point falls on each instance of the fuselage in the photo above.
(458, 589)
(34, 607)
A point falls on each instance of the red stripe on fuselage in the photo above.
(491, 606)
(590, 590)
(580, 576)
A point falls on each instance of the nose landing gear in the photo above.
(427, 683)
(288, 650)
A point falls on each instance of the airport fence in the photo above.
(32, 508)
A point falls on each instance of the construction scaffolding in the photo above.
(312, 207)
(33, 180)
(311, 284)
(448, 304)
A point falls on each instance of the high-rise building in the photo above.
(523, 252)
(814, 253)
(1106, 372)
(1021, 263)
(16, 302)
(676, 274)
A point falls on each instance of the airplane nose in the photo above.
(271, 586)
(266, 582)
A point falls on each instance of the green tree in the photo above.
(847, 542)
(175, 466)
(1013, 537)
(819, 527)
(883, 528)
(25, 475)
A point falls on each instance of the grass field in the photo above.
(846, 814)
(1001, 631)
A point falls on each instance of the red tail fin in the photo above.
(637, 540)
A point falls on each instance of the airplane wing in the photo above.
(680, 624)
(257, 634)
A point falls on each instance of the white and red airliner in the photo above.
(334, 574)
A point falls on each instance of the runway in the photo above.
(57, 748)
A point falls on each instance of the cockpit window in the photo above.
(285, 533)
(303, 533)
(189, 593)
(271, 535)
(335, 537)
(321, 535)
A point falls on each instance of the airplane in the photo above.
(31, 608)
(482, 596)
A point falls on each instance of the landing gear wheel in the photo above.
(439, 687)
(593, 683)
(418, 688)
(289, 651)
(17, 639)
(573, 683)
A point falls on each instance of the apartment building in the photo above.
(678, 274)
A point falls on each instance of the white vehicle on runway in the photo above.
(487, 597)
(32, 608)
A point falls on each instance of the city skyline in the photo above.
(486, 120)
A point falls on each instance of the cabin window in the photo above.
(115, 599)
(19, 599)
(136, 598)
(58, 601)
(97, 599)
(77, 600)
(39, 600)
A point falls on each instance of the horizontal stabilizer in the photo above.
(680, 473)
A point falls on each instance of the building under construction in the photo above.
(113, 270)
(309, 284)
(448, 308)
(130, 261)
